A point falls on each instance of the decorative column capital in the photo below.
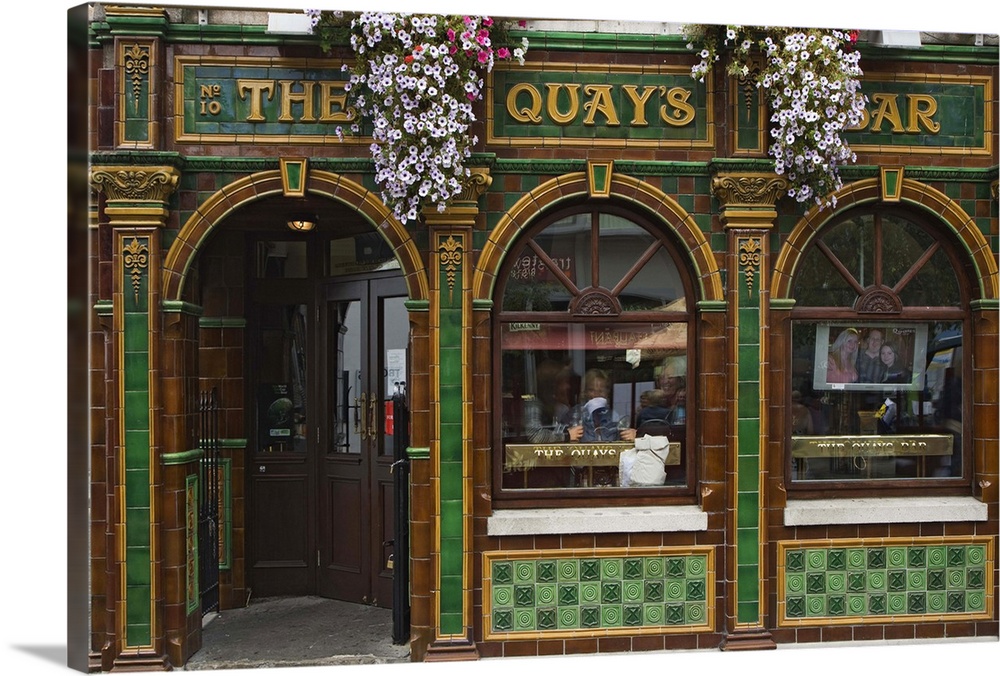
(464, 208)
(748, 198)
(135, 184)
(135, 195)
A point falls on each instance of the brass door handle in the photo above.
(359, 408)
(373, 407)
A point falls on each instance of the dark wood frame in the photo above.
(609, 495)
(886, 487)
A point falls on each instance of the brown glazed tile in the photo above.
(681, 641)
(647, 642)
(869, 632)
(953, 629)
(837, 633)
(553, 647)
(932, 630)
(580, 646)
(614, 644)
(520, 649)
(490, 649)
(896, 632)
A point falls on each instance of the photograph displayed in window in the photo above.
(594, 359)
(864, 358)
(876, 394)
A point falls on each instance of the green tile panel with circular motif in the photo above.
(923, 579)
(616, 591)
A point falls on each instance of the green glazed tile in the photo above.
(674, 590)
(545, 595)
(503, 595)
(836, 583)
(137, 610)
(569, 618)
(795, 583)
(815, 606)
(545, 571)
(896, 557)
(611, 569)
(611, 615)
(590, 592)
(653, 614)
(524, 571)
(503, 620)
(654, 566)
(137, 566)
(569, 594)
(524, 619)
(632, 591)
(937, 602)
(568, 570)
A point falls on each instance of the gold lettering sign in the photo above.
(888, 445)
(600, 454)
(566, 104)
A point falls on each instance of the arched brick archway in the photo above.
(914, 194)
(247, 190)
(624, 188)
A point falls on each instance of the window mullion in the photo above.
(844, 272)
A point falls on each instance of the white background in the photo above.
(33, 510)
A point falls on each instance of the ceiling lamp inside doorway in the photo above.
(301, 222)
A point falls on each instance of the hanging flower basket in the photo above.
(812, 81)
(414, 83)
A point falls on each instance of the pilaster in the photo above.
(748, 213)
(135, 208)
(450, 237)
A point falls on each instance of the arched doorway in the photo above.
(322, 349)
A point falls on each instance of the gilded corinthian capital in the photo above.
(748, 198)
(475, 185)
(135, 184)
(749, 189)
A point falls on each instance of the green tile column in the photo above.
(748, 214)
(136, 209)
(451, 408)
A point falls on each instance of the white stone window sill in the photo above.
(883, 510)
(566, 521)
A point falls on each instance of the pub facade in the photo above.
(295, 392)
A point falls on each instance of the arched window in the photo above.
(595, 336)
(877, 377)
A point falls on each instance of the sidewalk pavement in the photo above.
(297, 631)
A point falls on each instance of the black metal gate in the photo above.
(208, 505)
(401, 495)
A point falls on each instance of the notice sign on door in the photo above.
(395, 371)
(390, 425)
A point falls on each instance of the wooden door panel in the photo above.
(346, 525)
(281, 556)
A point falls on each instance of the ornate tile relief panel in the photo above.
(886, 579)
(598, 592)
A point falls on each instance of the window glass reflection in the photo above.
(876, 400)
(576, 396)
(281, 396)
